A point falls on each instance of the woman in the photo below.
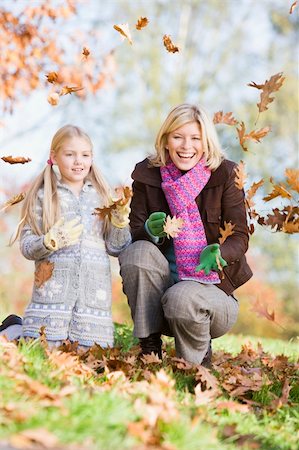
(173, 285)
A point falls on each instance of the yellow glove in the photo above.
(63, 234)
(120, 215)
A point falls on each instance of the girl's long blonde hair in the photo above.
(179, 116)
(48, 180)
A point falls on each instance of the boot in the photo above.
(152, 343)
(207, 361)
(11, 327)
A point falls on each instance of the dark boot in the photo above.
(207, 361)
(11, 327)
(152, 343)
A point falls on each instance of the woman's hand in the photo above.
(63, 234)
(155, 224)
(208, 259)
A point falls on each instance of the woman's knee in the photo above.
(142, 254)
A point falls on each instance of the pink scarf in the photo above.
(180, 192)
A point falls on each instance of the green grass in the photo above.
(98, 414)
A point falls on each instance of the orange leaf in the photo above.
(226, 231)
(124, 30)
(169, 45)
(124, 196)
(261, 308)
(254, 135)
(52, 77)
(270, 86)
(16, 159)
(69, 89)
(293, 6)
(14, 200)
(278, 190)
(292, 176)
(252, 191)
(240, 175)
(43, 273)
(172, 226)
(53, 98)
(141, 23)
(291, 227)
(226, 118)
(85, 52)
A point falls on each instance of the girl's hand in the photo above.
(120, 215)
(155, 223)
(208, 259)
(63, 234)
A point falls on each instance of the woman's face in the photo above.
(185, 146)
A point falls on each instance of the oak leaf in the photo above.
(274, 220)
(278, 190)
(250, 193)
(228, 230)
(292, 176)
(172, 226)
(85, 52)
(141, 23)
(293, 6)
(53, 98)
(240, 175)
(254, 135)
(290, 227)
(16, 159)
(261, 308)
(43, 273)
(169, 45)
(270, 86)
(226, 118)
(124, 30)
(69, 89)
(14, 200)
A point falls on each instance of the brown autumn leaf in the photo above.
(240, 175)
(124, 30)
(52, 77)
(293, 6)
(169, 45)
(85, 52)
(228, 230)
(34, 438)
(16, 159)
(172, 226)
(250, 193)
(13, 201)
(43, 273)
(69, 89)
(275, 220)
(278, 190)
(270, 86)
(124, 194)
(254, 135)
(261, 308)
(283, 399)
(53, 98)
(290, 227)
(226, 118)
(292, 176)
(232, 406)
(141, 23)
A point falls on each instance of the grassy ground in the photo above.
(111, 400)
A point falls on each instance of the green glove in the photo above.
(155, 224)
(208, 260)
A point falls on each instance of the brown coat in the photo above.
(220, 201)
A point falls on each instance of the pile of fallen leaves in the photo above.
(234, 384)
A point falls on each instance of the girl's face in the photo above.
(74, 160)
(185, 146)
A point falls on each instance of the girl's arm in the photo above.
(32, 246)
(117, 240)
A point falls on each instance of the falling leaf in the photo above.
(169, 45)
(141, 23)
(292, 176)
(240, 175)
(228, 230)
(69, 89)
(261, 308)
(278, 190)
(291, 227)
(250, 193)
(53, 98)
(172, 226)
(254, 135)
(52, 77)
(293, 6)
(124, 30)
(16, 159)
(43, 273)
(226, 118)
(14, 200)
(85, 52)
(270, 86)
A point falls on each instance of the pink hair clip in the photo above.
(50, 162)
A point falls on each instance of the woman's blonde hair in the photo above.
(179, 116)
(48, 180)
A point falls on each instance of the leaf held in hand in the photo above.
(173, 226)
(124, 195)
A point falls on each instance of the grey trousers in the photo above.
(192, 312)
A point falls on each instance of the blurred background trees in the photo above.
(128, 90)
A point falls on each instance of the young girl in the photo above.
(174, 286)
(70, 246)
